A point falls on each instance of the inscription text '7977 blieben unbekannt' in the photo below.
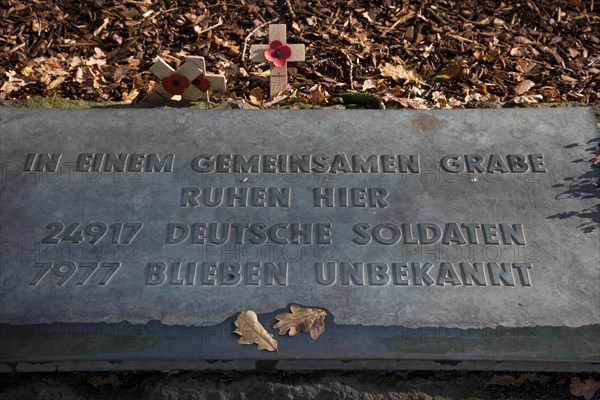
(253, 233)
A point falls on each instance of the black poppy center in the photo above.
(277, 53)
(176, 82)
(196, 81)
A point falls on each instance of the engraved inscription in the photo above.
(90, 273)
(235, 197)
(307, 163)
(515, 163)
(245, 270)
(117, 233)
(216, 273)
(41, 162)
(350, 197)
(423, 274)
(135, 162)
(430, 233)
(255, 233)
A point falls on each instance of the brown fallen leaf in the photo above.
(568, 79)
(257, 95)
(309, 320)
(525, 66)
(55, 83)
(252, 332)
(317, 94)
(138, 81)
(523, 87)
(128, 97)
(526, 99)
(452, 71)
(586, 388)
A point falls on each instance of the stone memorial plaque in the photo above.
(433, 239)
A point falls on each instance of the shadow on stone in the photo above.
(585, 186)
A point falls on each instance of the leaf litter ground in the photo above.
(411, 54)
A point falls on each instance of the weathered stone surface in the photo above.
(471, 219)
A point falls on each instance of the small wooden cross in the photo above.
(278, 53)
(190, 81)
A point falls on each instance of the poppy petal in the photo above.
(286, 52)
(269, 55)
(279, 62)
(201, 83)
(175, 84)
(275, 44)
(205, 85)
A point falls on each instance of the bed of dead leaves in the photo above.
(412, 54)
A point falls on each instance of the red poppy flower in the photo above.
(278, 53)
(175, 84)
(201, 83)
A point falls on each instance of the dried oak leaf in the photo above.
(309, 320)
(252, 332)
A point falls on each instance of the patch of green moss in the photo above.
(305, 106)
(364, 99)
(43, 102)
(483, 104)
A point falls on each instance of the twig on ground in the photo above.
(400, 20)
(289, 8)
(350, 68)
(210, 28)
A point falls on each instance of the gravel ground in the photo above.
(300, 385)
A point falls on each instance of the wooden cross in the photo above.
(190, 81)
(278, 53)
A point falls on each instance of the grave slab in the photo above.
(452, 239)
